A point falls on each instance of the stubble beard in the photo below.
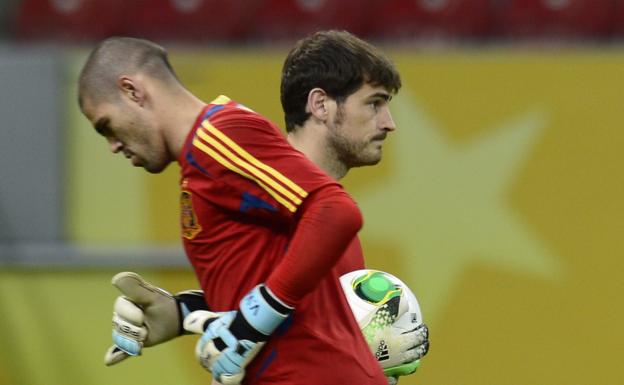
(155, 157)
(347, 151)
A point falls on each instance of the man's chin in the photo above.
(154, 169)
(368, 161)
(373, 158)
(373, 162)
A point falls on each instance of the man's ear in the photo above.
(317, 104)
(131, 89)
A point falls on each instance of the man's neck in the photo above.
(177, 119)
(311, 141)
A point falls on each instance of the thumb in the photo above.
(232, 379)
(128, 311)
(195, 322)
(136, 289)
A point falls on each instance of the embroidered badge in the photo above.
(188, 220)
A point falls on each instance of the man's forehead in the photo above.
(370, 90)
(87, 107)
(93, 111)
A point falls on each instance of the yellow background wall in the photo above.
(499, 200)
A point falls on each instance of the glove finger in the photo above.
(416, 337)
(423, 349)
(114, 355)
(128, 329)
(228, 363)
(128, 337)
(424, 330)
(234, 358)
(416, 353)
(136, 289)
(229, 367)
(128, 311)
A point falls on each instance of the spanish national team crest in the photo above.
(188, 220)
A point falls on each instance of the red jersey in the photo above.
(243, 190)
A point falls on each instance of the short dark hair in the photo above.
(116, 56)
(337, 62)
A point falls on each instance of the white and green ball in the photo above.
(378, 299)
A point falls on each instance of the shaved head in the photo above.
(119, 56)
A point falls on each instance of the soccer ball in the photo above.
(379, 301)
(369, 290)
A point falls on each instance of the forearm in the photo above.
(328, 224)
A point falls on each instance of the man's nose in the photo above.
(386, 121)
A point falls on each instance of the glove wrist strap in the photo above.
(402, 370)
(262, 312)
(189, 301)
(128, 345)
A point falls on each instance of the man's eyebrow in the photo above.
(381, 95)
(101, 126)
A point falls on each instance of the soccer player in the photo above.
(266, 226)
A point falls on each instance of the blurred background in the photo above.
(499, 199)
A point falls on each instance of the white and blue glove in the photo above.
(231, 340)
(146, 315)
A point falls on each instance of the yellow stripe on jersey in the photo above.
(250, 168)
(247, 156)
(213, 154)
(221, 99)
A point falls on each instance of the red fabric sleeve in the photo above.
(329, 222)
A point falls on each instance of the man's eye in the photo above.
(102, 127)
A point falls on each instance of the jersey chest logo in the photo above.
(188, 220)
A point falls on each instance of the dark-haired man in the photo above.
(265, 224)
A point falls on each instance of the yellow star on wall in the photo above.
(446, 204)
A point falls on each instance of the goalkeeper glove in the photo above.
(397, 349)
(230, 340)
(145, 315)
(399, 352)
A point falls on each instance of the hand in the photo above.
(230, 340)
(405, 349)
(145, 315)
(398, 346)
